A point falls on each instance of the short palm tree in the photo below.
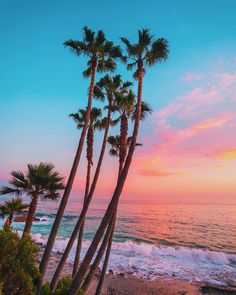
(13, 207)
(39, 181)
(102, 56)
(95, 123)
(115, 147)
(143, 54)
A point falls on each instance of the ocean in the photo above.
(194, 242)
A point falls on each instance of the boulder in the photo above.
(23, 219)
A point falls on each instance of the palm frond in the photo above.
(88, 35)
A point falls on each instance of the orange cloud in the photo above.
(214, 122)
(158, 172)
(230, 154)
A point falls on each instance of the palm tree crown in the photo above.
(11, 207)
(146, 51)
(110, 86)
(39, 181)
(101, 53)
(96, 123)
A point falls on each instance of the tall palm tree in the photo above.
(107, 88)
(125, 105)
(95, 123)
(143, 54)
(39, 181)
(118, 149)
(102, 56)
(10, 208)
(114, 151)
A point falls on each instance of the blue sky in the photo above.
(41, 81)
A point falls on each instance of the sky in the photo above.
(189, 142)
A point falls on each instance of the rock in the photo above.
(23, 219)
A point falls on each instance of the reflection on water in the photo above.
(204, 226)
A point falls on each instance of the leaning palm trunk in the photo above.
(31, 214)
(123, 142)
(107, 256)
(98, 258)
(108, 240)
(84, 210)
(81, 232)
(60, 212)
(78, 278)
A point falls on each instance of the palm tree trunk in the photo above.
(67, 191)
(31, 214)
(109, 242)
(98, 259)
(107, 256)
(76, 283)
(85, 207)
(123, 142)
(8, 222)
(81, 232)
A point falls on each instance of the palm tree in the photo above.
(126, 108)
(144, 53)
(107, 88)
(39, 181)
(12, 207)
(115, 151)
(95, 124)
(101, 55)
(125, 105)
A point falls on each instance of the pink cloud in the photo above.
(190, 130)
(210, 92)
(191, 76)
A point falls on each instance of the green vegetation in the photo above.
(39, 181)
(62, 287)
(18, 270)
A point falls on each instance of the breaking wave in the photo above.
(150, 261)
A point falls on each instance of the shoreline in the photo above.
(125, 283)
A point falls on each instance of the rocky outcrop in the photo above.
(23, 219)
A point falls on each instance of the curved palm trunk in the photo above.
(123, 142)
(67, 191)
(85, 207)
(107, 256)
(31, 214)
(108, 242)
(98, 258)
(81, 232)
(76, 283)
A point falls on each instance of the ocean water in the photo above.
(194, 242)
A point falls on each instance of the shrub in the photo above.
(62, 287)
(18, 269)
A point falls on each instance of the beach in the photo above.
(157, 248)
(128, 284)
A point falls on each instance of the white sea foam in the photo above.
(150, 261)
